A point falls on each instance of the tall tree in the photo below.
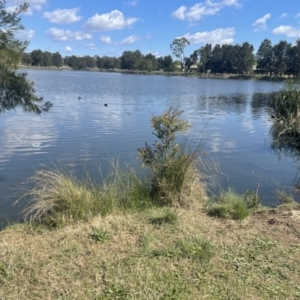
(293, 54)
(15, 89)
(245, 59)
(177, 48)
(280, 57)
(205, 58)
(264, 57)
(57, 60)
(217, 59)
(37, 57)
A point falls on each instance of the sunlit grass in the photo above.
(59, 198)
(229, 205)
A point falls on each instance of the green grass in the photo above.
(123, 256)
(229, 205)
(191, 248)
(100, 235)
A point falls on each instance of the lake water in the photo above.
(84, 134)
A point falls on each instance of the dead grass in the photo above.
(257, 258)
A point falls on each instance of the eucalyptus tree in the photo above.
(15, 89)
(177, 48)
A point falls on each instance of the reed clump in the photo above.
(286, 108)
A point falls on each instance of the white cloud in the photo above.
(33, 4)
(133, 2)
(92, 46)
(284, 16)
(67, 35)
(111, 21)
(68, 49)
(26, 34)
(63, 16)
(130, 40)
(260, 24)
(218, 36)
(297, 15)
(199, 10)
(105, 39)
(288, 31)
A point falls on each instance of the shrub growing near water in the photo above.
(171, 164)
(58, 198)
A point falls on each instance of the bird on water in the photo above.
(79, 98)
(105, 104)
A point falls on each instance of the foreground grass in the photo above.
(185, 255)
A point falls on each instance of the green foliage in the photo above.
(100, 235)
(15, 90)
(169, 162)
(191, 248)
(252, 199)
(229, 205)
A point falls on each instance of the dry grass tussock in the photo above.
(129, 256)
(58, 198)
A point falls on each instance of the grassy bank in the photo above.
(168, 73)
(155, 254)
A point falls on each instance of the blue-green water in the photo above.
(84, 134)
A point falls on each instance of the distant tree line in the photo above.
(281, 59)
(130, 60)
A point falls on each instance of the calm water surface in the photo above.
(84, 133)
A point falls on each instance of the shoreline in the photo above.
(167, 73)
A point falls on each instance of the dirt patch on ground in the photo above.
(282, 223)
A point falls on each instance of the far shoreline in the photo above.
(167, 73)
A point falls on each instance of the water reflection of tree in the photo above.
(234, 102)
(259, 104)
(285, 145)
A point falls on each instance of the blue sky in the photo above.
(109, 27)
